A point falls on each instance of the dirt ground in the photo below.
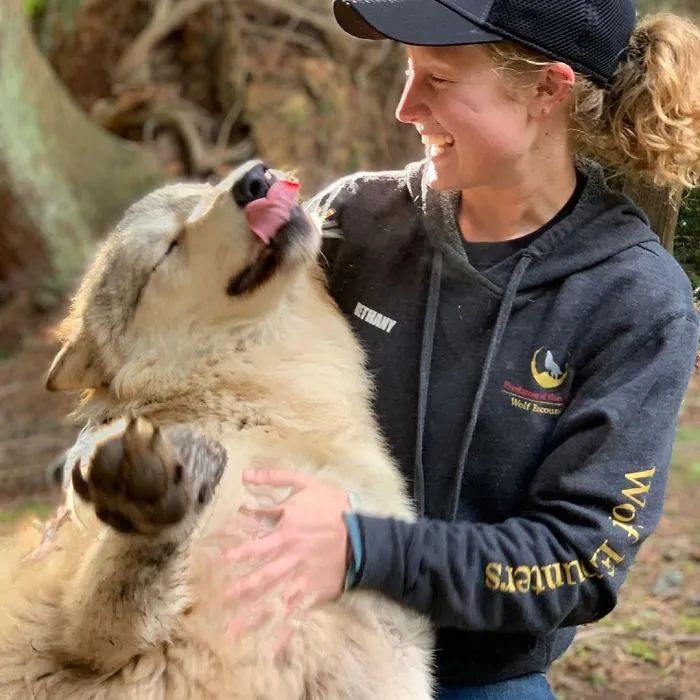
(33, 425)
(649, 647)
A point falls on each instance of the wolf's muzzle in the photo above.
(253, 185)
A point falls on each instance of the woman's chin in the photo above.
(440, 176)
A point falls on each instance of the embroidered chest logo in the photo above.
(374, 318)
(550, 378)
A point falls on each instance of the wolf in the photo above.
(203, 341)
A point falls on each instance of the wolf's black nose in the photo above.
(253, 185)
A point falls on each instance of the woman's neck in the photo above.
(533, 195)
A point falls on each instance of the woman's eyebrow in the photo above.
(436, 64)
(452, 61)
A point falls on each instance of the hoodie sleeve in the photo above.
(595, 498)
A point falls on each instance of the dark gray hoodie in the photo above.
(537, 442)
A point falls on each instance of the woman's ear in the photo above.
(553, 89)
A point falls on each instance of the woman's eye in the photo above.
(438, 80)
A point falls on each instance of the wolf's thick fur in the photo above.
(271, 373)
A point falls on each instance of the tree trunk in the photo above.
(660, 205)
(63, 180)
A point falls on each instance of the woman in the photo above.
(530, 338)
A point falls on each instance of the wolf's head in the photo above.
(185, 264)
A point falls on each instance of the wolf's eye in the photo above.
(175, 242)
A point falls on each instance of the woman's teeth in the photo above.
(437, 144)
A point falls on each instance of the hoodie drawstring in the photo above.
(426, 356)
(431, 311)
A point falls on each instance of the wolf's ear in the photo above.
(75, 367)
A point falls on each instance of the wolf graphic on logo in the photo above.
(203, 341)
(553, 376)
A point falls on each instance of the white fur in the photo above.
(277, 378)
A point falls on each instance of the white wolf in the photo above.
(227, 348)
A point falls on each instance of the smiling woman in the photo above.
(541, 338)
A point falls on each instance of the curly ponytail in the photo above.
(648, 120)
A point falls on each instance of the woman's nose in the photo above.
(411, 108)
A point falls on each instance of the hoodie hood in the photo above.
(602, 224)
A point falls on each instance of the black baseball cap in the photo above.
(591, 36)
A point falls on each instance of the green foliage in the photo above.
(597, 679)
(691, 624)
(67, 11)
(641, 649)
(686, 455)
(682, 7)
(34, 8)
(10, 513)
(687, 241)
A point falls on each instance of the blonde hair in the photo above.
(648, 120)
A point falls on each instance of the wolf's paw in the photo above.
(147, 479)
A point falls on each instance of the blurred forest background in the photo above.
(102, 100)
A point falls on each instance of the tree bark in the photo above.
(660, 205)
(63, 179)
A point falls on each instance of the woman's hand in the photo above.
(304, 556)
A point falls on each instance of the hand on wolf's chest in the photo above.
(303, 557)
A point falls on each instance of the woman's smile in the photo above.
(437, 145)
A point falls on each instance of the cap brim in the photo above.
(415, 22)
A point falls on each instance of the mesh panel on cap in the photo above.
(591, 34)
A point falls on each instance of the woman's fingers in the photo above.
(256, 551)
(257, 513)
(260, 581)
(277, 477)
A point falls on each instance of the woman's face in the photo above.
(476, 134)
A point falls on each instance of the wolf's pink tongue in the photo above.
(266, 216)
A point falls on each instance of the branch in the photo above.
(321, 22)
(191, 123)
(315, 19)
(284, 35)
(133, 67)
(158, 104)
